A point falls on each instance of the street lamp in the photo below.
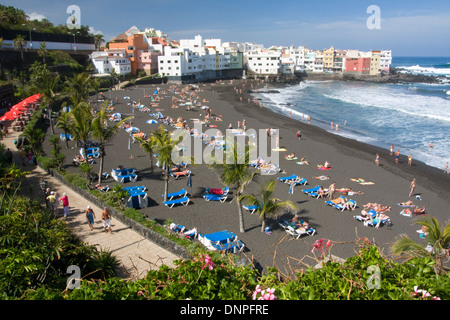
(29, 29)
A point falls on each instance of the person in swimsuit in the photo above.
(377, 160)
(90, 216)
(397, 155)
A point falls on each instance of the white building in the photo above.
(263, 62)
(107, 61)
(385, 60)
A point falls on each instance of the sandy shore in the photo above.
(349, 159)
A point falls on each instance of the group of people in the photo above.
(105, 218)
(53, 200)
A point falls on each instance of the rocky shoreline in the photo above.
(395, 76)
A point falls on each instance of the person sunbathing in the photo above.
(350, 192)
(381, 217)
(321, 192)
(418, 210)
(365, 216)
(303, 227)
(290, 156)
(321, 178)
(407, 203)
(303, 161)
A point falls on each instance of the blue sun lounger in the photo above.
(135, 188)
(215, 197)
(251, 209)
(126, 178)
(312, 190)
(181, 193)
(170, 203)
(284, 179)
(233, 247)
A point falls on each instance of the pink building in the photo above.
(148, 61)
(357, 65)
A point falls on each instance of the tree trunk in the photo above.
(166, 183)
(51, 120)
(67, 143)
(101, 166)
(241, 216)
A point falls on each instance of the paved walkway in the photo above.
(137, 254)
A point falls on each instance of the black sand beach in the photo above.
(349, 159)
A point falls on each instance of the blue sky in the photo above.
(408, 28)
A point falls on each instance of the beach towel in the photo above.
(406, 213)
(216, 191)
(279, 149)
(362, 181)
(294, 158)
(323, 168)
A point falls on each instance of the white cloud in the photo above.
(36, 16)
(94, 32)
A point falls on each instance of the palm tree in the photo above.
(43, 52)
(149, 145)
(81, 124)
(46, 83)
(268, 206)
(20, 43)
(165, 146)
(237, 173)
(104, 133)
(438, 242)
(78, 87)
(64, 123)
(98, 41)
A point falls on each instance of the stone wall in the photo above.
(147, 233)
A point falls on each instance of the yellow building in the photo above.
(328, 59)
(375, 63)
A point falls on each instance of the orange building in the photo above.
(132, 44)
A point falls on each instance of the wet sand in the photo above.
(349, 159)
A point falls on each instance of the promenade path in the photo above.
(137, 254)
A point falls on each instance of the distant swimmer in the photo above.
(431, 145)
(377, 160)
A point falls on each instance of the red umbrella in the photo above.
(7, 117)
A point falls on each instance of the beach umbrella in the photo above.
(132, 130)
(159, 115)
(205, 107)
(291, 188)
(152, 121)
(189, 181)
(7, 117)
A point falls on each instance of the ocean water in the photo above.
(409, 116)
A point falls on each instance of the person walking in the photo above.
(332, 190)
(410, 160)
(106, 219)
(377, 160)
(392, 149)
(299, 135)
(413, 186)
(51, 201)
(446, 168)
(65, 203)
(90, 217)
(397, 155)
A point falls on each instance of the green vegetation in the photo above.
(12, 18)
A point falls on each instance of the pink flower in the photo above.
(208, 262)
(267, 294)
(257, 290)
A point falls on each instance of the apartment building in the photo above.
(263, 62)
(107, 61)
(132, 44)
